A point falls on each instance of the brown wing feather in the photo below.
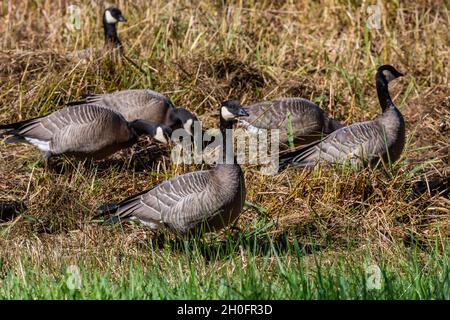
(135, 104)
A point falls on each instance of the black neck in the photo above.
(142, 127)
(383, 93)
(111, 34)
(174, 115)
(227, 153)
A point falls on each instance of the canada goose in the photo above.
(309, 121)
(184, 203)
(361, 143)
(111, 16)
(144, 104)
(82, 131)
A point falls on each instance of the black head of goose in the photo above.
(363, 143)
(196, 201)
(83, 131)
(111, 17)
(144, 104)
(309, 121)
(180, 118)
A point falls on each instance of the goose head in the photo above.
(180, 117)
(387, 73)
(157, 131)
(112, 16)
(231, 110)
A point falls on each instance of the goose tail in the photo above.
(111, 221)
(14, 139)
(109, 208)
(84, 99)
(297, 157)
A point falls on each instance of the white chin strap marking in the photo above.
(109, 18)
(160, 135)
(188, 126)
(226, 114)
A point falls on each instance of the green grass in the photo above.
(198, 271)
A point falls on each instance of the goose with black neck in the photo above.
(200, 201)
(111, 17)
(363, 143)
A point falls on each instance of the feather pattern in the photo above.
(184, 202)
(135, 104)
(360, 144)
(309, 121)
(82, 131)
(210, 199)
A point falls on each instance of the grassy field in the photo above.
(323, 230)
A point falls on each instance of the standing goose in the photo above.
(144, 104)
(111, 16)
(83, 131)
(361, 143)
(309, 121)
(184, 203)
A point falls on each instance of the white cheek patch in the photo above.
(226, 114)
(109, 18)
(160, 135)
(40, 144)
(188, 126)
(388, 75)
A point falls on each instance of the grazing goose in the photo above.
(144, 104)
(84, 131)
(309, 121)
(361, 143)
(111, 16)
(184, 203)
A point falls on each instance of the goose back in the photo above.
(309, 121)
(358, 144)
(135, 104)
(191, 201)
(82, 131)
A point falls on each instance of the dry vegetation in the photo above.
(199, 53)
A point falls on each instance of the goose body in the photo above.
(185, 204)
(363, 143)
(84, 131)
(145, 104)
(309, 121)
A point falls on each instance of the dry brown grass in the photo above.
(201, 53)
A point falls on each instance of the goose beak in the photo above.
(122, 19)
